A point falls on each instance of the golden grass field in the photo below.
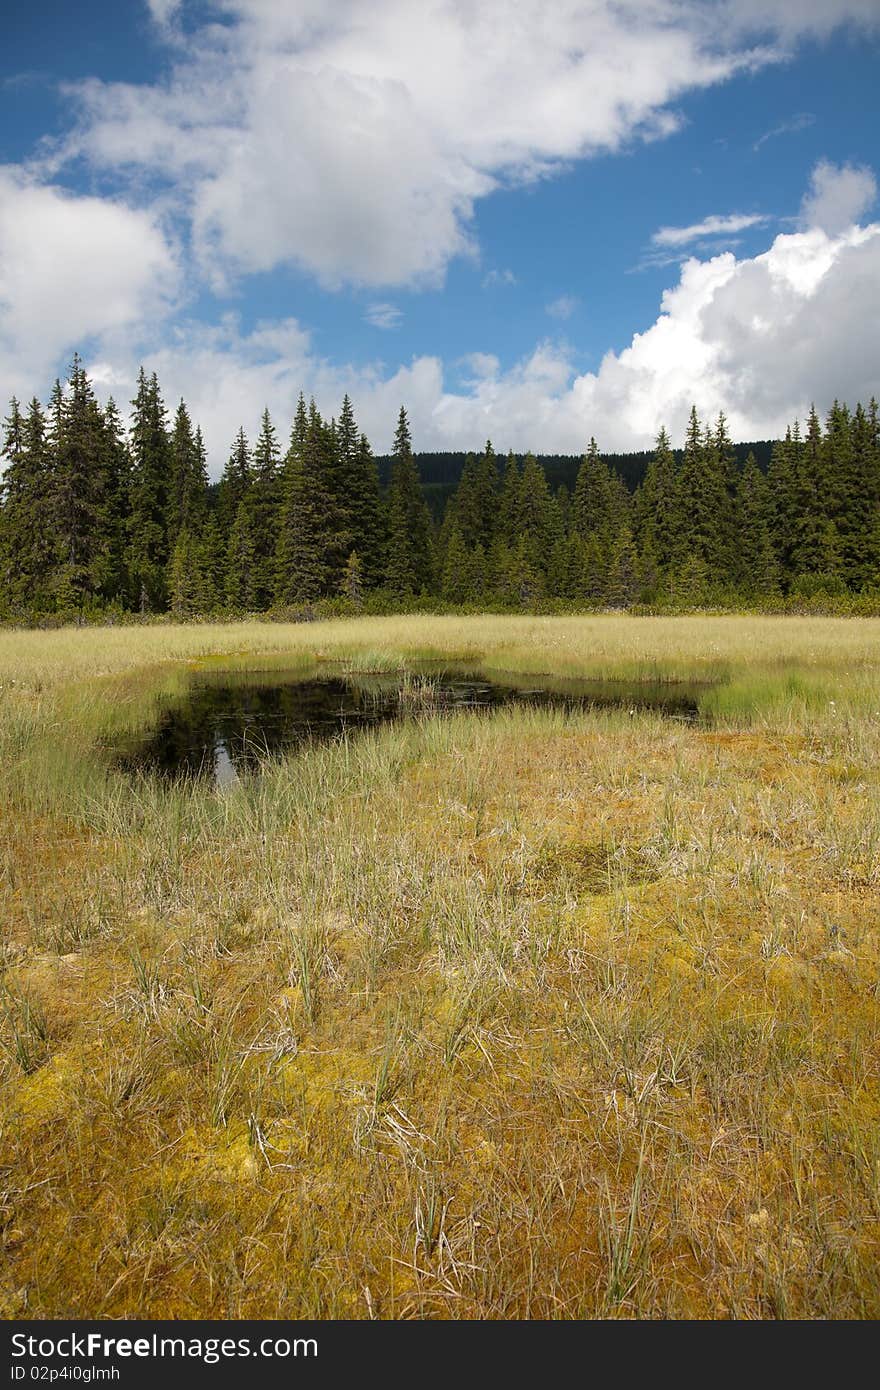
(533, 1015)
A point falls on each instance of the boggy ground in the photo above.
(529, 1015)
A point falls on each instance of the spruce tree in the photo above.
(510, 503)
(81, 497)
(702, 498)
(304, 572)
(758, 570)
(235, 482)
(116, 505)
(184, 467)
(410, 548)
(360, 504)
(26, 513)
(151, 497)
(264, 512)
(241, 576)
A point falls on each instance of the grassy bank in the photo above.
(531, 1015)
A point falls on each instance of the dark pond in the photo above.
(230, 722)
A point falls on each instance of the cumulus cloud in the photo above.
(227, 377)
(838, 196)
(72, 268)
(758, 337)
(354, 141)
(714, 226)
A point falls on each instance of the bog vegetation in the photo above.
(538, 1014)
(97, 519)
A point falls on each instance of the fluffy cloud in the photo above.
(760, 338)
(838, 196)
(228, 376)
(72, 268)
(354, 140)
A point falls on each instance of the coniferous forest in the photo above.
(103, 516)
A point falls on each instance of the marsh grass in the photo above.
(529, 1014)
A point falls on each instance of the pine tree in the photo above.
(187, 579)
(590, 502)
(26, 518)
(149, 528)
(188, 482)
(622, 583)
(116, 509)
(510, 503)
(658, 514)
(82, 505)
(725, 466)
(702, 495)
(235, 482)
(359, 480)
(486, 489)
(264, 512)
(786, 465)
(304, 571)
(352, 586)
(806, 521)
(758, 572)
(240, 570)
(454, 584)
(410, 548)
(536, 524)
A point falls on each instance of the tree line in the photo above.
(96, 517)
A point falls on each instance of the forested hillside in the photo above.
(99, 516)
(440, 473)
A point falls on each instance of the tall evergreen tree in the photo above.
(702, 498)
(361, 510)
(304, 572)
(151, 497)
(188, 500)
(84, 504)
(26, 513)
(410, 547)
(264, 513)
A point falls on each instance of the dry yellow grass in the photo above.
(529, 1016)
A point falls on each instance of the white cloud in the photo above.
(384, 315)
(563, 307)
(494, 278)
(802, 121)
(481, 365)
(227, 377)
(354, 140)
(72, 268)
(758, 337)
(838, 196)
(163, 11)
(709, 227)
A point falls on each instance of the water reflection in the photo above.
(229, 722)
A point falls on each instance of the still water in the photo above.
(229, 722)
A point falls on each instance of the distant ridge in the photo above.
(440, 472)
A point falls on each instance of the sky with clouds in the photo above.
(534, 220)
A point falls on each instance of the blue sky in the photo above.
(534, 221)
